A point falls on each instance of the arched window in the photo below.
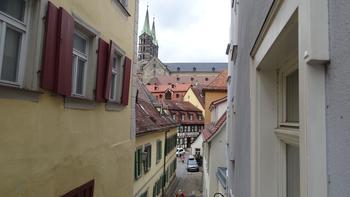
(168, 95)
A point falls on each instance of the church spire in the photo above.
(154, 33)
(146, 29)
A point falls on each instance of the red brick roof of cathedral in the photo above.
(219, 83)
(173, 79)
(214, 128)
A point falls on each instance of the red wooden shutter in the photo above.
(109, 70)
(102, 61)
(126, 81)
(65, 53)
(49, 49)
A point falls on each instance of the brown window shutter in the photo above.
(126, 81)
(49, 49)
(65, 53)
(102, 61)
(109, 71)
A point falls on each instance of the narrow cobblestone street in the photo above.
(188, 182)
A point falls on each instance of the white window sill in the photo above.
(15, 92)
(80, 103)
(288, 135)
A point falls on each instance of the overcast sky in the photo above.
(189, 30)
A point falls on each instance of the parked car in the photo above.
(179, 152)
(192, 165)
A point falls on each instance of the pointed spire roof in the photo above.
(146, 29)
(155, 41)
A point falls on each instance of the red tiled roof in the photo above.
(148, 118)
(219, 83)
(212, 129)
(216, 102)
(180, 106)
(163, 88)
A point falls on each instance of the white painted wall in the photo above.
(218, 110)
(214, 157)
(198, 143)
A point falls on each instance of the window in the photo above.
(292, 171)
(138, 163)
(117, 60)
(12, 36)
(161, 96)
(199, 116)
(192, 78)
(177, 78)
(148, 161)
(86, 190)
(168, 95)
(182, 117)
(80, 62)
(206, 79)
(159, 150)
(177, 95)
(191, 117)
(145, 194)
(174, 116)
(292, 97)
(289, 97)
(124, 3)
(194, 68)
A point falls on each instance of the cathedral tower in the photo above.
(148, 44)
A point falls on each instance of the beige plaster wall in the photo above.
(48, 150)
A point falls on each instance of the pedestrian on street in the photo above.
(193, 194)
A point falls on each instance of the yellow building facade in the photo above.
(52, 144)
(156, 179)
(211, 96)
(192, 98)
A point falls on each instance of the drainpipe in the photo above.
(164, 163)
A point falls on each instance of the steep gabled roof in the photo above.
(212, 129)
(197, 90)
(219, 83)
(148, 118)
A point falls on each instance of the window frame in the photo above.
(116, 50)
(8, 21)
(282, 100)
(84, 57)
(159, 151)
(147, 164)
(138, 165)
